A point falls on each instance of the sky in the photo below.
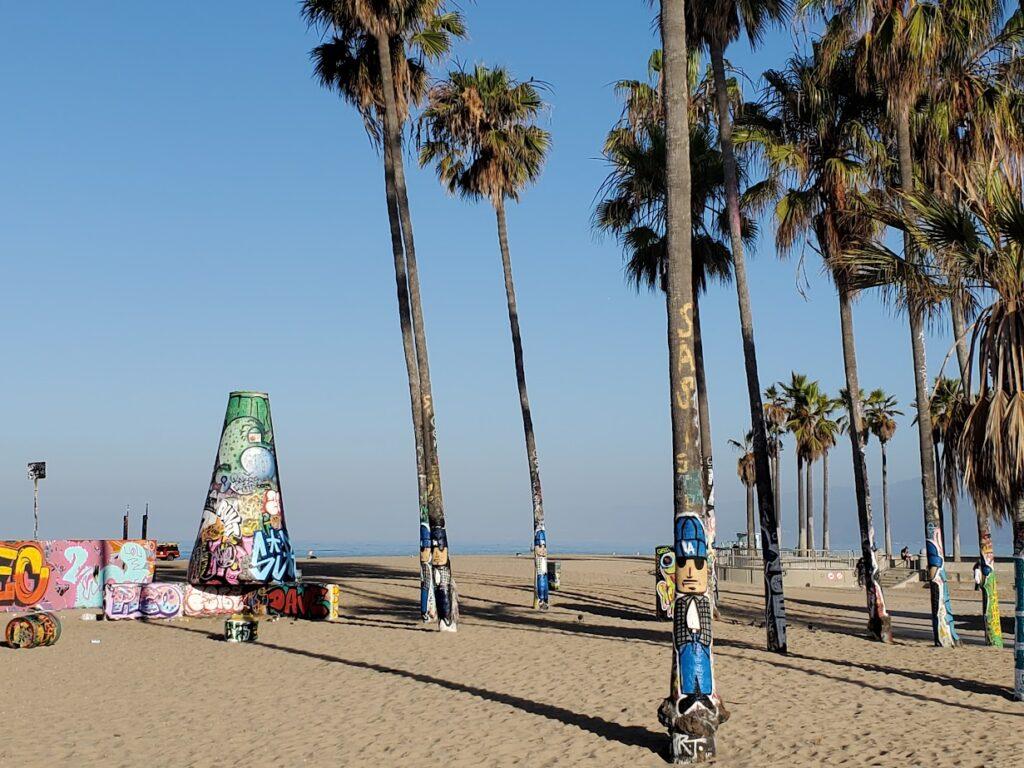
(186, 212)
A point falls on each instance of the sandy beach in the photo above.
(578, 685)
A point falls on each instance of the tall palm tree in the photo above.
(481, 136)
(880, 411)
(980, 239)
(631, 207)
(946, 399)
(829, 427)
(692, 711)
(748, 476)
(716, 23)
(814, 132)
(776, 415)
(799, 393)
(366, 63)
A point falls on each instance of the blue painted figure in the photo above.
(942, 611)
(427, 609)
(540, 556)
(691, 630)
(442, 573)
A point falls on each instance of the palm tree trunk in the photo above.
(879, 622)
(801, 504)
(751, 532)
(956, 311)
(540, 550)
(777, 485)
(691, 711)
(938, 498)
(826, 541)
(706, 449)
(944, 634)
(775, 607)
(885, 502)
(989, 587)
(810, 506)
(445, 592)
(427, 605)
(1018, 583)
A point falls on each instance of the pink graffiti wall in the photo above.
(55, 575)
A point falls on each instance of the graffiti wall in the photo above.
(56, 575)
(242, 536)
(310, 600)
(213, 601)
(664, 582)
(144, 601)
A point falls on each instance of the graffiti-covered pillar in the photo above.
(987, 584)
(242, 537)
(1018, 582)
(428, 605)
(944, 632)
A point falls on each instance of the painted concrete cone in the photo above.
(243, 538)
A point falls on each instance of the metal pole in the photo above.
(127, 509)
(145, 521)
(35, 507)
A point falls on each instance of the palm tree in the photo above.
(481, 137)
(946, 398)
(980, 240)
(716, 23)
(880, 411)
(814, 132)
(366, 63)
(747, 475)
(691, 712)
(799, 394)
(828, 431)
(776, 415)
(632, 208)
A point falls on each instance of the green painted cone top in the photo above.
(242, 536)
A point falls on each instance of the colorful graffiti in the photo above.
(428, 605)
(311, 601)
(213, 601)
(693, 710)
(1018, 627)
(55, 575)
(943, 630)
(156, 600)
(989, 589)
(540, 562)
(242, 537)
(128, 562)
(664, 582)
(444, 585)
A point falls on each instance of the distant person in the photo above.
(311, 555)
(978, 574)
(860, 571)
(905, 556)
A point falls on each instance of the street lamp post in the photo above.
(36, 472)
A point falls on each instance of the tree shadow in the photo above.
(629, 735)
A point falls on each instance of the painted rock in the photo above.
(33, 630)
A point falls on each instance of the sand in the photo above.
(578, 685)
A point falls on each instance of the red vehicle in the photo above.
(167, 551)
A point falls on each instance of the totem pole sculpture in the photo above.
(428, 605)
(942, 612)
(242, 537)
(445, 596)
(989, 589)
(540, 564)
(1018, 628)
(692, 711)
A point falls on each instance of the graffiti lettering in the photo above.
(24, 576)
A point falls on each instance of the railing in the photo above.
(817, 559)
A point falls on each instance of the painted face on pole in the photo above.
(439, 546)
(691, 566)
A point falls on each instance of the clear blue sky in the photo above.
(186, 212)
